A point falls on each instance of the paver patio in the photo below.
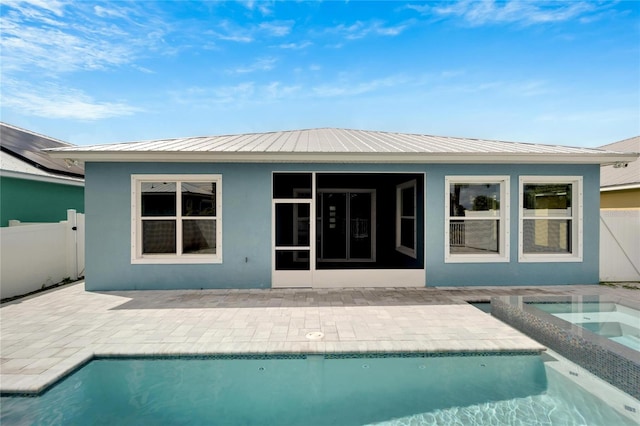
(44, 337)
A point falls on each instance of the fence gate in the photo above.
(620, 245)
(38, 255)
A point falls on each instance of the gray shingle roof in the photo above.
(329, 144)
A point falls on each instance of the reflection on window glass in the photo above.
(547, 236)
(158, 198)
(198, 198)
(547, 200)
(474, 236)
(199, 236)
(158, 236)
(467, 199)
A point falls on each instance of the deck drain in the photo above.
(315, 335)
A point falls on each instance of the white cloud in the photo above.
(38, 35)
(527, 88)
(54, 101)
(262, 6)
(109, 12)
(36, 8)
(349, 88)
(230, 31)
(262, 64)
(420, 8)
(295, 46)
(248, 92)
(484, 12)
(236, 38)
(52, 50)
(359, 29)
(604, 116)
(277, 90)
(276, 29)
(229, 94)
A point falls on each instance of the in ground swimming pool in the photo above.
(310, 390)
(614, 321)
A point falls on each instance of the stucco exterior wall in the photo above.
(35, 201)
(247, 225)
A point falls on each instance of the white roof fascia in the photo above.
(342, 157)
(620, 187)
(42, 178)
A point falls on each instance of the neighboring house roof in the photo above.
(338, 145)
(170, 187)
(22, 157)
(621, 176)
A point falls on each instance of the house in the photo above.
(36, 187)
(620, 182)
(339, 208)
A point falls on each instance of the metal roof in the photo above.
(623, 176)
(170, 187)
(337, 145)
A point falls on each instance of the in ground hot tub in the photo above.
(597, 334)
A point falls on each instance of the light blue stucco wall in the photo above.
(246, 244)
(513, 272)
(246, 232)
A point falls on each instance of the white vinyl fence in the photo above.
(37, 255)
(620, 245)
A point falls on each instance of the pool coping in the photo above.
(38, 389)
(15, 385)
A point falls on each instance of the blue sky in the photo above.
(534, 71)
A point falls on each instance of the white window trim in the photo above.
(409, 251)
(577, 202)
(504, 218)
(136, 220)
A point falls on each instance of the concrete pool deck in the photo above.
(45, 336)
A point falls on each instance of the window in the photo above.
(477, 219)
(550, 225)
(176, 219)
(406, 218)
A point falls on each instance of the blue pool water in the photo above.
(313, 390)
(618, 323)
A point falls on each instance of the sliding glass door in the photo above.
(346, 223)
